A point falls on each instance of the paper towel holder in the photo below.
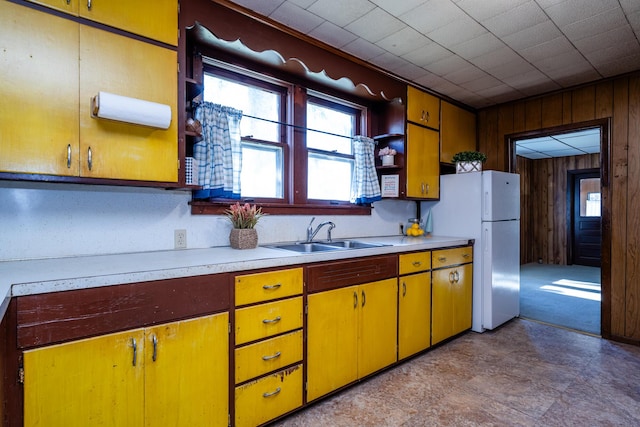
(125, 109)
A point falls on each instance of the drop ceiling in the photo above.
(568, 144)
(478, 52)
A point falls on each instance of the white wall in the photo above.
(40, 220)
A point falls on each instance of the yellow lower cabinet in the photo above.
(96, 381)
(351, 332)
(452, 293)
(186, 373)
(262, 400)
(414, 314)
(257, 359)
(261, 321)
(174, 374)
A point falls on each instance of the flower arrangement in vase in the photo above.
(244, 219)
(387, 154)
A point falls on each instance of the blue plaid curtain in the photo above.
(365, 187)
(219, 154)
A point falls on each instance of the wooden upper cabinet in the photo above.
(156, 20)
(458, 131)
(423, 108)
(423, 163)
(110, 149)
(39, 92)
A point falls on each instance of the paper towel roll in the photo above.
(106, 105)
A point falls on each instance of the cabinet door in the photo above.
(39, 92)
(462, 298)
(441, 315)
(414, 322)
(332, 334)
(157, 20)
(458, 131)
(67, 6)
(127, 67)
(423, 108)
(378, 326)
(423, 162)
(186, 372)
(97, 381)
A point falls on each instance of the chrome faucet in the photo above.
(311, 233)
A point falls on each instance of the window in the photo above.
(263, 141)
(278, 167)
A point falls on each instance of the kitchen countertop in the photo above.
(31, 277)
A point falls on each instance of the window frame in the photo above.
(295, 152)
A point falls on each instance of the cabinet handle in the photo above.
(273, 393)
(422, 187)
(154, 339)
(442, 259)
(451, 277)
(465, 256)
(422, 117)
(269, 287)
(89, 4)
(363, 298)
(135, 350)
(68, 156)
(68, 1)
(273, 356)
(355, 299)
(277, 319)
(428, 117)
(456, 276)
(404, 289)
(89, 158)
(417, 263)
(427, 189)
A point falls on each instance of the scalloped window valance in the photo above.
(211, 24)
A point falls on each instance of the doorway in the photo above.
(544, 160)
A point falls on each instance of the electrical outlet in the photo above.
(180, 239)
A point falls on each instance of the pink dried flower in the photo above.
(244, 216)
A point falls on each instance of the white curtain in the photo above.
(365, 187)
(219, 153)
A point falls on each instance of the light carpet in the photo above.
(562, 295)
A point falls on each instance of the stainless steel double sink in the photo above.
(337, 245)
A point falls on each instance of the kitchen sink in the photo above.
(306, 247)
(353, 244)
(337, 245)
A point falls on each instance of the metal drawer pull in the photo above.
(268, 287)
(355, 299)
(274, 356)
(466, 255)
(363, 298)
(154, 339)
(89, 158)
(89, 4)
(273, 393)
(404, 289)
(456, 276)
(442, 259)
(135, 350)
(417, 263)
(277, 319)
(68, 156)
(451, 277)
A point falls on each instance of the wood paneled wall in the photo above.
(543, 206)
(619, 100)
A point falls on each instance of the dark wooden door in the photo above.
(585, 218)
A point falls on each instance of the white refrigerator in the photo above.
(485, 206)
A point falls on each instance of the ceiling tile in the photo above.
(396, 7)
(482, 10)
(341, 12)
(388, 61)
(427, 54)
(564, 153)
(296, 17)
(558, 46)
(478, 46)
(609, 39)
(605, 21)
(482, 83)
(432, 15)
(465, 74)
(619, 66)
(302, 3)
(410, 71)
(508, 69)
(456, 32)
(332, 34)
(363, 49)
(444, 65)
(404, 41)
(577, 10)
(264, 7)
(515, 19)
(375, 25)
(504, 55)
(532, 36)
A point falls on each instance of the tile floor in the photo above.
(522, 374)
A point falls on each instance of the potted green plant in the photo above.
(469, 161)
(244, 219)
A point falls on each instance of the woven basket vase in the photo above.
(243, 238)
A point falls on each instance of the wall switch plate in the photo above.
(180, 239)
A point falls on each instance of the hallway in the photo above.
(523, 374)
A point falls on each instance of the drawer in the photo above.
(264, 320)
(448, 257)
(415, 262)
(267, 398)
(270, 355)
(258, 287)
